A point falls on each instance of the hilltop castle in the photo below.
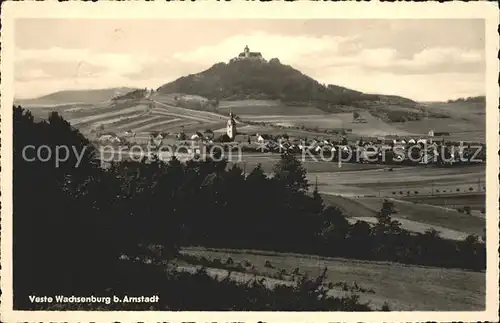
(248, 55)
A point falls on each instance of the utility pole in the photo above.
(432, 188)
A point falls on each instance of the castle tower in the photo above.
(231, 127)
(246, 51)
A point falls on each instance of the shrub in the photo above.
(467, 209)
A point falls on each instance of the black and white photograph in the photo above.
(250, 162)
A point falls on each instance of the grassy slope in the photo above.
(415, 217)
(404, 287)
(467, 121)
(406, 181)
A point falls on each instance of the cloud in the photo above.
(289, 49)
(420, 87)
(427, 61)
(327, 51)
(24, 74)
(119, 63)
(41, 71)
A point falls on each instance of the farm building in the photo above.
(197, 136)
(262, 138)
(112, 138)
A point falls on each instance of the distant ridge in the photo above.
(76, 96)
(478, 99)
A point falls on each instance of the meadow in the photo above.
(406, 181)
(247, 109)
(415, 217)
(425, 288)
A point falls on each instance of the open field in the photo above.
(315, 168)
(373, 127)
(467, 121)
(246, 109)
(424, 288)
(405, 181)
(475, 201)
(415, 217)
(137, 115)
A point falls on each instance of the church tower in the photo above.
(231, 127)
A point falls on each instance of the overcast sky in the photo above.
(420, 59)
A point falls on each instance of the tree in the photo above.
(53, 224)
(317, 205)
(291, 173)
(335, 227)
(384, 220)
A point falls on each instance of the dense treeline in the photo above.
(73, 222)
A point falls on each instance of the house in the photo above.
(105, 137)
(197, 135)
(111, 138)
(262, 138)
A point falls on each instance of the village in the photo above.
(423, 150)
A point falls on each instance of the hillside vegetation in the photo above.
(245, 80)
